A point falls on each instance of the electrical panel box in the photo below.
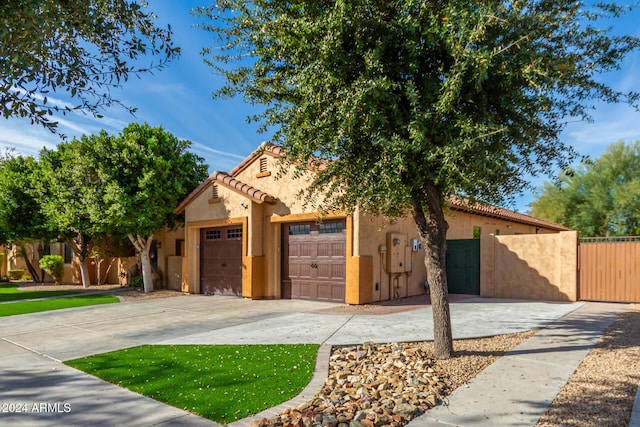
(396, 253)
(408, 265)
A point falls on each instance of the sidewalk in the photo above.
(518, 387)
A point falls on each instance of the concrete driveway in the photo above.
(36, 389)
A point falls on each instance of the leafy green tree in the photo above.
(82, 47)
(417, 101)
(600, 198)
(144, 173)
(21, 218)
(68, 190)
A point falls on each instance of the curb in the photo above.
(320, 374)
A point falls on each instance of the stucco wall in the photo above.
(283, 185)
(541, 267)
(367, 278)
(371, 234)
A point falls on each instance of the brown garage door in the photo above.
(314, 260)
(221, 260)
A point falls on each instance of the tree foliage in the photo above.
(599, 198)
(82, 47)
(98, 189)
(21, 219)
(68, 189)
(144, 173)
(416, 101)
(20, 216)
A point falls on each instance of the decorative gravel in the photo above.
(388, 385)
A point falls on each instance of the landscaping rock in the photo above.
(372, 385)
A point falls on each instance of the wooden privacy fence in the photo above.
(609, 269)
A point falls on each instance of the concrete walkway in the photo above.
(518, 387)
(31, 347)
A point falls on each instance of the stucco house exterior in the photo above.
(247, 233)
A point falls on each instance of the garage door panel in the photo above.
(338, 272)
(300, 270)
(324, 271)
(324, 291)
(314, 258)
(221, 261)
(337, 293)
(299, 249)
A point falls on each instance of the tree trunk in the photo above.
(81, 247)
(24, 253)
(143, 246)
(106, 273)
(84, 272)
(433, 231)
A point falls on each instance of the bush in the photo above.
(15, 274)
(136, 282)
(54, 265)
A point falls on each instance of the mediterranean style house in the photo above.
(247, 233)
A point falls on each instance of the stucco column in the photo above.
(487, 265)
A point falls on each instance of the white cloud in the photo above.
(27, 139)
(611, 123)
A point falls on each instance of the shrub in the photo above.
(54, 265)
(136, 282)
(15, 274)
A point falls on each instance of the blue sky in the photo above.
(179, 98)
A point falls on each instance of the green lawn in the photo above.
(10, 292)
(223, 382)
(24, 307)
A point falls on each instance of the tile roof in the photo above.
(315, 164)
(230, 182)
(240, 187)
(264, 148)
(501, 213)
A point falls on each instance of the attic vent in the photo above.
(263, 168)
(215, 197)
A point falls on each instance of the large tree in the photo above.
(144, 173)
(68, 189)
(416, 101)
(601, 197)
(83, 48)
(21, 219)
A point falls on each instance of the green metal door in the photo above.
(463, 266)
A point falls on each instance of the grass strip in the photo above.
(224, 383)
(10, 292)
(14, 308)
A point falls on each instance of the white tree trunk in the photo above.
(84, 273)
(143, 245)
(79, 248)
